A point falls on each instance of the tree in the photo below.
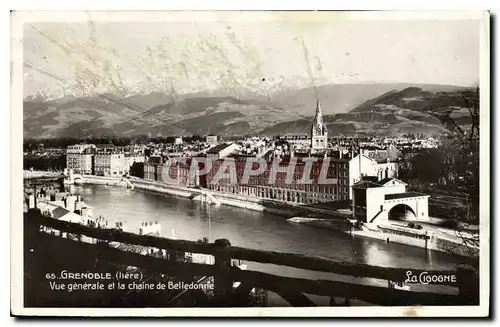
(461, 154)
(462, 147)
(427, 166)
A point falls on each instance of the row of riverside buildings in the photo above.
(102, 159)
(346, 169)
(341, 169)
(306, 170)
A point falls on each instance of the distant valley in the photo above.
(376, 109)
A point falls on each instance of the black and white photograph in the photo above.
(309, 163)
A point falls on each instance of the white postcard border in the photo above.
(17, 308)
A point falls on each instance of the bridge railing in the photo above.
(292, 289)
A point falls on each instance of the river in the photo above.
(187, 219)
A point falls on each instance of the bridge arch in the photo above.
(401, 211)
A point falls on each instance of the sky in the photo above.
(264, 54)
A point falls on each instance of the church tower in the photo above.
(319, 132)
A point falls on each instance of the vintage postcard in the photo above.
(265, 163)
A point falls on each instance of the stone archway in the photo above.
(401, 212)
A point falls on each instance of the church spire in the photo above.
(319, 115)
(319, 133)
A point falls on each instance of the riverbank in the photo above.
(438, 240)
(342, 225)
(28, 174)
(235, 200)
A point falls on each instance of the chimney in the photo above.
(31, 201)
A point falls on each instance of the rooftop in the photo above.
(388, 179)
(59, 212)
(218, 148)
(155, 160)
(365, 185)
(403, 195)
(241, 155)
(109, 145)
(373, 179)
(383, 156)
(385, 180)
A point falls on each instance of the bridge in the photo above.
(406, 206)
(226, 275)
(204, 195)
(125, 182)
(42, 176)
(387, 199)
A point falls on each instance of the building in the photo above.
(178, 169)
(387, 199)
(360, 167)
(378, 164)
(387, 161)
(110, 163)
(131, 158)
(212, 140)
(222, 150)
(180, 172)
(153, 168)
(319, 132)
(178, 140)
(79, 157)
(279, 188)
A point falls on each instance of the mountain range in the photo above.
(348, 109)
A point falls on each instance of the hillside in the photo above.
(378, 108)
(341, 98)
(395, 112)
(86, 117)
